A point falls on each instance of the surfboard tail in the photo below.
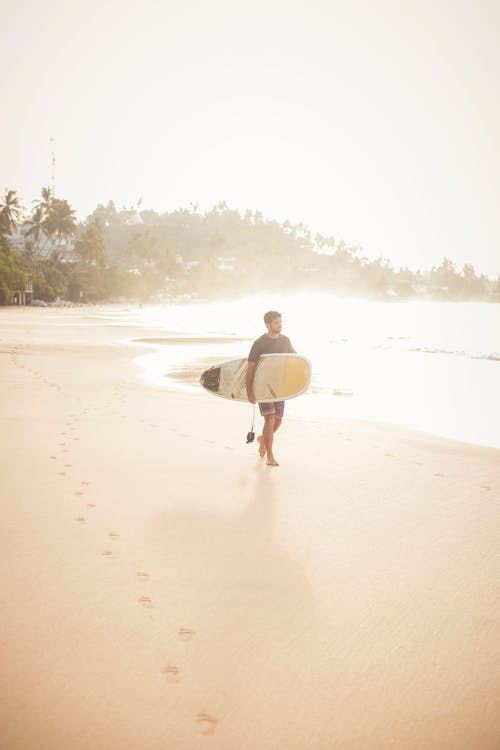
(210, 379)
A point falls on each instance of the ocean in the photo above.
(429, 366)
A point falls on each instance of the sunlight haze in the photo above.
(373, 122)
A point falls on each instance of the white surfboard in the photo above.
(278, 377)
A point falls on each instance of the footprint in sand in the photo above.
(78, 492)
(486, 487)
(90, 505)
(207, 724)
(438, 474)
(113, 535)
(143, 576)
(107, 554)
(80, 519)
(171, 672)
(186, 634)
(62, 473)
(86, 484)
(145, 601)
(54, 457)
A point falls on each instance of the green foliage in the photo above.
(222, 252)
(11, 277)
(10, 212)
(5, 293)
(447, 283)
(91, 244)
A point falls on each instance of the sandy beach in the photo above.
(163, 589)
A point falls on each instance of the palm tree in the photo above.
(10, 212)
(45, 204)
(36, 221)
(64, 218)
(40, 216)
(61, 220)
(53, 216)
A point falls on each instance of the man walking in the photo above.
(272, 342)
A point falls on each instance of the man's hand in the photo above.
(251, 397)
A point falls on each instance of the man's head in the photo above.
(272, 319)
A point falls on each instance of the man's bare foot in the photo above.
(271, 461)
(262, 447)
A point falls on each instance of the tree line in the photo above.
(142, 254)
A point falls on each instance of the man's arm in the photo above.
(249, 383)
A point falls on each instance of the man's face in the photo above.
(275, 325)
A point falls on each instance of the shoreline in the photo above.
(166, 589)
(182, 373)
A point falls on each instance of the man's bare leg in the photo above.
(260, 439)
(262, 447)
(267, 434)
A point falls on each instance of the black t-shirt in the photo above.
(267, 345)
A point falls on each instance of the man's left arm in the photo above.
(249, 381)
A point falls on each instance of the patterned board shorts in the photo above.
(273, 407)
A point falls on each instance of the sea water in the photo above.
(429, 366)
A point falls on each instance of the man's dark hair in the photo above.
(270, 316)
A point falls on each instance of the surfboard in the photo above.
(278, 377)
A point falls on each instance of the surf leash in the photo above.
(251, 434)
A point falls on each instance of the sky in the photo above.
(372, 122)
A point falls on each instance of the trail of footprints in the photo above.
(206, 723)
(32, 371)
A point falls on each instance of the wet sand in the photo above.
(164, 589)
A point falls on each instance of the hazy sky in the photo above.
(373, 121)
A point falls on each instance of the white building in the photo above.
(44, 246)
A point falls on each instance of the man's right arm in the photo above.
(249, 382)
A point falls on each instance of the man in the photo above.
(272, 342)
